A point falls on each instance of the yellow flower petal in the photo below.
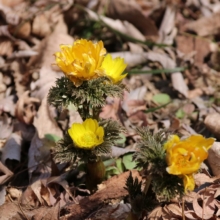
(87, 135)
(171, 142)
(184, 157)
(114, 68)
(81, 61)
(188, 182)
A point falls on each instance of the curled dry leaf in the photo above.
(41, 26)
(21, 30)
(9, 14)
(7, 105)
(188, 44)
(179, 83)
(6, 47)
(88, 204)
(212, 122)
(6, 126)
(201, 178)
(4, 32)
(111, 109)
(214, 158)
(167, 30)
(173, 210)
(6, 174)
(46, 114)
(134, 101)
(208, 208)
(132, 12)
(205, 26)
(157, 213)
(26, 108)
(123, 27)
(14, 193)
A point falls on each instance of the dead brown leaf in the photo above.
(22, 30)
(7, 174)
(6, 47)
(201, 178)
(188, 44)
(47, 213)
(122, 26)
(207, 210)
(9, 14)
(88, 204)
(205, 26)
(10, 210)
(134, 101)
(131, 12)
(174, 210)
(46, 113)
(212, 122)
(214, 158)
(111, 109)
(41, 26)
(14, 193)
(26, 108)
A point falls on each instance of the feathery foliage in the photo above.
(151, 155)
(88, 97)
(139, 201)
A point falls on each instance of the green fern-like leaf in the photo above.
(86, 98)
(150, 149)
(139, 201)
(151, 156)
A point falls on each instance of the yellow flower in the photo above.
(81, 61)
(188, 182)
(87, 135)
(184, 157)
(114, 68)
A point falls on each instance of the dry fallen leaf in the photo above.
(212, 122)
(207, 210)
(7, 174)
(134, 101)
(41, 26)
(26, 108)
(214, 158)
(122, 26)
(205, 26)
(131, 11)
(188, 44)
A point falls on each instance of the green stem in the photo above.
(156, 71)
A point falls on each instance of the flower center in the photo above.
(88, 138)
(184, 160)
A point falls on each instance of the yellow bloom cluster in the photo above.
(184, 157)
(86, 60)
(87, 135)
